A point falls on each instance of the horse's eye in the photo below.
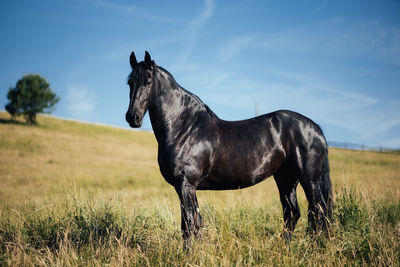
(148, 79)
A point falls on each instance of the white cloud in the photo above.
(193, 30)
(129, 9)
(234, 46)
(201, 19)
(187, 38)
(81, 100)
(370, 39)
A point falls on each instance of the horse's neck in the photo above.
(174, 109)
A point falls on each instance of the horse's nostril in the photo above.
(136, 118)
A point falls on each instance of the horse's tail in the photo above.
(326, 187)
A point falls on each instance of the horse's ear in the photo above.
(133, 60)
(147, 60)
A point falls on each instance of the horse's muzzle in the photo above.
(134, 119)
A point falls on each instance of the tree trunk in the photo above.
(31, 118)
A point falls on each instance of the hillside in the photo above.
(60, 162)
(59, 155)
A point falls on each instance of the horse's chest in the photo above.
(171, 167)
(182, 163)
(168, 168)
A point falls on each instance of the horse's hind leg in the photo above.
(287, 185)
(317, 210)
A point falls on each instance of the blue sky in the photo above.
(337, 62)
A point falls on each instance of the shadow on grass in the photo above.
(12, 121)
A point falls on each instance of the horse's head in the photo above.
(141, 86)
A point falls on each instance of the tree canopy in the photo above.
(31, 95)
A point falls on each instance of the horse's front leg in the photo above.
(191, 219)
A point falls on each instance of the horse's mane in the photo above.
(200, 104)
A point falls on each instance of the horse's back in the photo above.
(287, 127)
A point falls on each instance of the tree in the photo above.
(31, 95)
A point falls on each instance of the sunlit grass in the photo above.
(79, 194)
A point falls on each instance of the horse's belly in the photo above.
(216, 183)
(234, 178)
(236, 174)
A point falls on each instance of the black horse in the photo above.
(199, 151)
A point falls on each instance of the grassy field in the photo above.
(81, 194)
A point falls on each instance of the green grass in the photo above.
(76, 194)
